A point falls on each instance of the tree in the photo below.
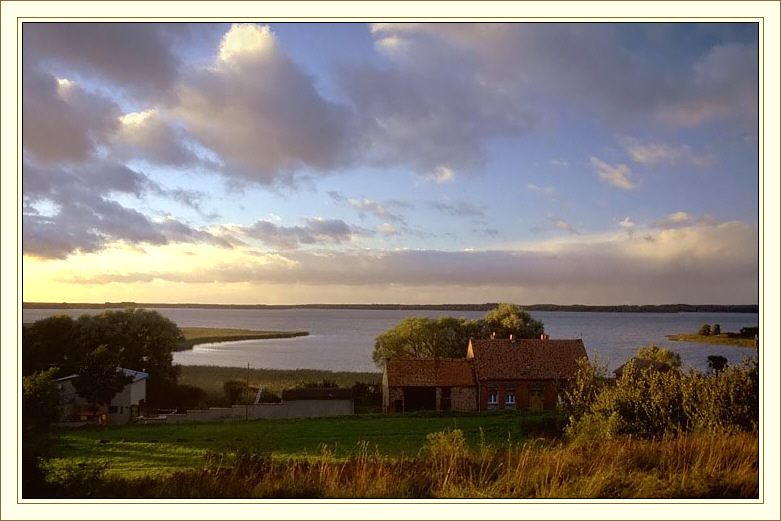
(716, 329)
(40, 400)
(100, 378)
(421, 337)
(141, 340)
(660, 354)
(509, 319)
(716, 363)
(236, 391)
(705, 330)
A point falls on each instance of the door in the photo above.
(420, 399)
(535, 397)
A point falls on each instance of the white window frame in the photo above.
(509, 398)
(493, 398)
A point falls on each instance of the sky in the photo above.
(293, 163)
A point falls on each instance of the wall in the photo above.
(290, 409)
(463, 398)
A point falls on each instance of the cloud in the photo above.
(561, 163)
(387, 229)
(549, 191)
(314, 231)
(441, 174)
(135, 57)
(260, 113)
(627, 223)
(62, 121)
(561, 224)
(655, 153)
(683, 219)
(458, 208)
(716, 263)
(148, 135)
(615, 175)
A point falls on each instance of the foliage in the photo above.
(705, 330)
(40, 400)
(140, 339)
(421, 337)
(716, 363)
(660, 354)
(716, 329)
(582, 390)
(99, 377)
(650, 404)
(325, 383)
(509, 319)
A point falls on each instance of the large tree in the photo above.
(421, 337)
(140, 339)
(100, 378)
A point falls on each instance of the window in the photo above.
(509, 400)
(492, 400)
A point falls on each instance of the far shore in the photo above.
(211, 335)
(711, 339)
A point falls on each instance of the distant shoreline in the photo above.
(662, 308)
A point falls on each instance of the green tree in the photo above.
(705, 330)
(51, 342)
(716, 330)
(236, 391)
(509, 319)
(40, 400)
(99, 377)
(421, 337)
(660, 354)
(583, 389)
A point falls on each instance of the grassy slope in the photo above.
(144, 449)
(711, 339)
(211, 378)
(203, 335)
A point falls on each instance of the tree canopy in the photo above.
(422, 337)
(660, 354)
(137, 339)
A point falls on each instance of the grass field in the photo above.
(211, 378)
(205, 335)
(711, 339)
(137, 450)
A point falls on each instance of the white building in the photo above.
(124, 407)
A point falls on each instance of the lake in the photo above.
(342, 340)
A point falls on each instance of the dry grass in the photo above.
(687, 466)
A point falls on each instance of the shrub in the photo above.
(716, 330)
(705, 330)
(660, 354)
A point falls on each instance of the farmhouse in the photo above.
(124, 407)
(494, 374)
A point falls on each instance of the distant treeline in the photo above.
(663, 308)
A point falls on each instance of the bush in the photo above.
(652, 404)
(705, 330)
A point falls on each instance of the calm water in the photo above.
(342, 340)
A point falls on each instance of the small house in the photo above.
(123, 408)
(434, 384)
(494, 374)
(523, 373)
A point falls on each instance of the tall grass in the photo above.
(686, 466)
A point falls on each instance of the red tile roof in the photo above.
(430, 372)
(526, 359)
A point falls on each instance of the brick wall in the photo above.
(463, 398)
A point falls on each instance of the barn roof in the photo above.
(526, 359)
(430, 372)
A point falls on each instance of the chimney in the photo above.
(493, 335)
(512, 339)
(544, 337)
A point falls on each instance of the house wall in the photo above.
(550, 393)
(393, 394)
(463, 398)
